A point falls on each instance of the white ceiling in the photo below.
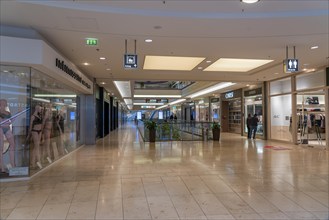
(211, 29)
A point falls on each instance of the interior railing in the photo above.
(177, 130)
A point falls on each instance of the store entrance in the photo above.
(311, 118)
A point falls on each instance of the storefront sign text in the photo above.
(61, 65)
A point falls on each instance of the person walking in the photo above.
(248, 123)
(254, 124)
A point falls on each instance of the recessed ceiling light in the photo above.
(314, 47)
(108, 69)
(102, 83)
(102, 58)
(208, 61)
(6, 71)
(200, 68)
(236, 65)
(86, 64)
(148, 40)
(249, 1)
(171, 63)
(276, 73)
(247, 85)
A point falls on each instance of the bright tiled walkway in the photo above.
(123, 178)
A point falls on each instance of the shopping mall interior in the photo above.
(174, 109)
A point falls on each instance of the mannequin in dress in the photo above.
(35, 133)
(6, 132)
(47, 129)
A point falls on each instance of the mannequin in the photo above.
(60, 129)
(35, 134)
(6, 132)
(47, 129)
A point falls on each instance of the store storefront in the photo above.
(202, 109)
(298, 109)
(214, 109)
(253, 104)
(41, 101)
(231, 112)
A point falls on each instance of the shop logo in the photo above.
(229, 95)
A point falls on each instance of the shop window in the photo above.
(310, 80)
(280, 86)
(281, 118)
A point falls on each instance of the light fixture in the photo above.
(102, 83)
(86, 64)
(212, 89)
(157, 96)
(236, 65)
(124, 88)
(208, 61)
(5, 71)
(128, 101)
(144, 103)
(200, 68)
(41, 100)
(161, 107)
(108, 69)
(249, 1)
(148, 40)
(171, 63)
(177, 101)
(276, 73)
(55, 95)
(314, 47)
(102, 58)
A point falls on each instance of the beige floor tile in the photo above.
(322, 215)
(301, 215)
(30, 212)
(10, 201)
(195, 185)
(257, 202)
(176, 188)
(322, 197)
(187, 207)
(210, 205)
(85, 194)
(136, 208)
(220, 217)
(155, 189)
(216, 185)
(109, 209)
(247, 216)
(37, 199)
(54, 211)
(274, 215)
(234, 203)
(133, 190)
(306, 202)
(60, 197)
(161, 207)
(82, 210)
(4, 213)
(282, 202)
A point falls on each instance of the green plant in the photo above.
(151, 125)
(215, 125)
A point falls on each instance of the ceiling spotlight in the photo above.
(200, 68)
(249, 1)
(86, 64)
(276, 73)
(102, 58)
(148, 40)
(314, 47)
(208, 61)
(102, 83)
(108, 69)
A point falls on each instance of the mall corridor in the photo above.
(124, 178)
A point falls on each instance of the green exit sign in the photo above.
(91, 41)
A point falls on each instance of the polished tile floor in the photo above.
(124, 178)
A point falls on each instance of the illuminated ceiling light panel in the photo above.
(161, 107)
(171, 63)
(55, 95)
(177, 101)
(124, 88)
(137, 103)
(157, 96)
(212, 89)
(236, 65)
(249, 1)
(128, 101)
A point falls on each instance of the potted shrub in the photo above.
(215, 131)
(151, 126)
